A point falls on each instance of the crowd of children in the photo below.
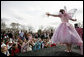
(17, 42)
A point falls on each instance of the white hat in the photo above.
(3, 45)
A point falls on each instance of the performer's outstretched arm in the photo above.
(73, 19)
(52, 15)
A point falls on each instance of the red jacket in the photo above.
(13, 52)
(53, 44)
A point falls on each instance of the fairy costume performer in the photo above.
(66, 33)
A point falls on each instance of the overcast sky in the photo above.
(33, 12)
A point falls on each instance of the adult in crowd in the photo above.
(21, 34)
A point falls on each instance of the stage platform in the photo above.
(52, 51)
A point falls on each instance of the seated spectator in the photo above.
(20, 42)
(39, 43)
(34, 44)
(45, 43)
(48, 42)
(36, 35)
(25, 46)
(14, 50)
(10, 46)
(29, 36)
(4, 50)
(53, 44)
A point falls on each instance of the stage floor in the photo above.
(52, 51)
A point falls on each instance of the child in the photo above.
(14, 50)
(4, 50)
(65, 33)
(29, 36)
(25, 46)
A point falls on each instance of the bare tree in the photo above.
(41, 27)
(13, 25)
(39, 31)
(49, 28)
(17, 25)
(3, 25)
(22, 27)
(30, 28)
